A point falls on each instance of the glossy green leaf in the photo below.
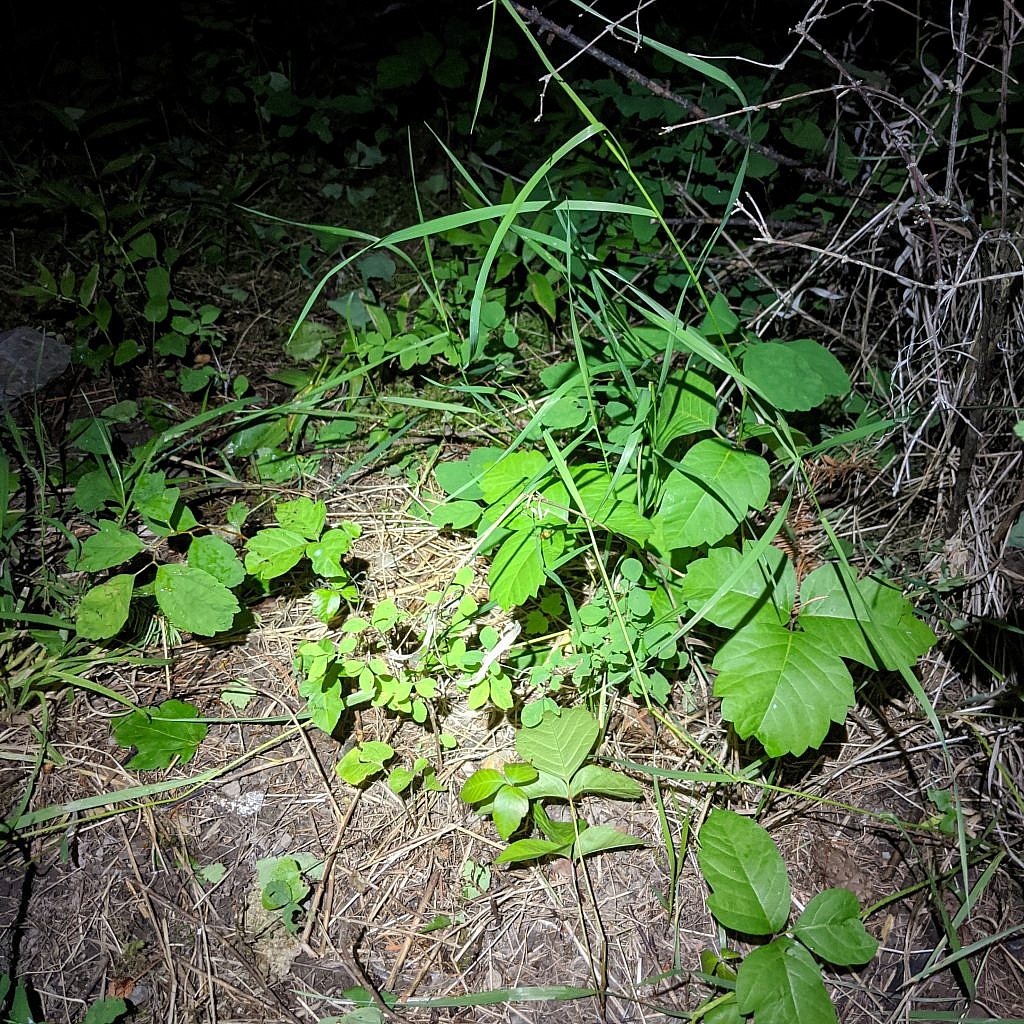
(864, 620)
(161, 734)
(559, 744)
(783, 687)
(709, 495)
(527, 849)
(599, 838)
(517, 569)
(781, 984)
(192, 599)
(509, 808)
(765, 589)
(481, 785)
(597, 780)
(743, 866)
(831, 928)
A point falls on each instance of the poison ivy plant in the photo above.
(556, 765)
(780, 982)
(198, 594)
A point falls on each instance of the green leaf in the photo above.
(509, 809)
(783, 687)
(326, 553)
(520, 774)
(599, 838)
(708, 495)
(686, 406)
(745, 869)
(323, 696)
(798, 375)
(481, 785)
(272, 552)
(781, 984)
(517, 569)
(831, 928)
(161, 734)
(766, 588)
(504, 481)
(614, 508)
(158, 287)
(103, 611)
(528, 849)
(308, 340)
(594, 779)
(456, 514)
(559, 744)
(542, 292)
(364, 760)
(108, 547)
(302, 516)
(192, 599)
(216, 556)
(864, 620)
(105, 1011)
(93, 490)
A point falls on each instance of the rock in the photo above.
(29, 360)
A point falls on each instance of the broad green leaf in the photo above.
(324, 699)
(864, 620)
(709, 494)
(362, 761)
(308, 340)
(725, 1013)
(528, 849)
(783, 687)
(325, 554)
(302, 516)
(509, 809)
(272, 552)
(797, 375)
(457, 478)
(457, 514)
(505, 480)
(192, 599)
(216, 556)
(163, 510)
(564, 413)
(595, 779)
(542, 292)
(520, 774)
(517, 569)
(103, 611)
(765, 589)
(599, 838)
(559, 744)
(614, 509)
(831, 928)
(685, 406)
(743, 866)
(481, 785)
(108, 547)
(93, 490)
(781, 984)
(105, 1011)
(161, 734)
